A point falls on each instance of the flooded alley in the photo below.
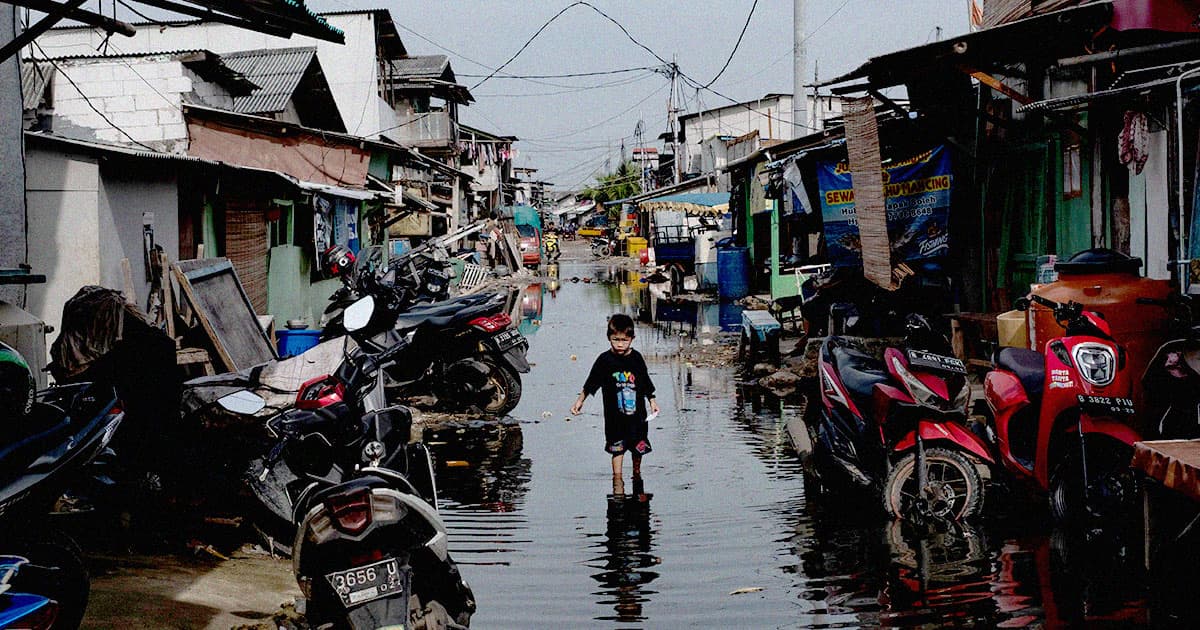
(721, 531)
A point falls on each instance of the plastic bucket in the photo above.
(636, 245)
(733, 272)
(293, 342)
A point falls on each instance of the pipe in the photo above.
(1179, 159)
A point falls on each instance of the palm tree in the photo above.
(621, 183)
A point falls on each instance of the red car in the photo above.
(531, 245)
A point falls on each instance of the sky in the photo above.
(571, 128)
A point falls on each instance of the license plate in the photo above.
(1107, 405)
(366, 583)
(508, 339)
(929, 360)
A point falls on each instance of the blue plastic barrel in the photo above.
(293, 342)
(733, 272)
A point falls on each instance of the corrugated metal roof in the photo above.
(277, 72)
(34, 77)
(423, 67)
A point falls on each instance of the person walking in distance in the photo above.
(620, 375)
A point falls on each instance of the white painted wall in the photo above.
(771, 117)
(85, 216)
(350, 69)
(63, 199)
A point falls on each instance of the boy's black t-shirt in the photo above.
(625, 384)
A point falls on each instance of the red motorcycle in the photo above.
(1062, 418)
(897, 426)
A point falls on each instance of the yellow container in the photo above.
(1013, 329)
(636, 245)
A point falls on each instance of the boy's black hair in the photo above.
(620, 323)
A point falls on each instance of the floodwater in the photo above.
(720, 532)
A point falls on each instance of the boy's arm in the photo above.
(649, 389)
(590, 386)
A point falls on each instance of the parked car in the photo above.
(531, 245)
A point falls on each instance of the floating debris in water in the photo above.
(574, 358)
(457, 463)
(748, 589)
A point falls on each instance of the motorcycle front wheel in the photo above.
(953, 489)
(63, 576)
(504, 386)
(1109, 492)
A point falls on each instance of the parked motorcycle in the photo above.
(552, 250)
(418, 277)
(1171, 381)
(1062, 418)
(604, 246)
(370, 549)
(43, 578)
(897, 426)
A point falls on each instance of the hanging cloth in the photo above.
(1134, 141)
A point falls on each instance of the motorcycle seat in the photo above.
(1028, 365)
(858, 370)
(443, 317)
(46, 428)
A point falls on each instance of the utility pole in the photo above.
(673, 122)
(799, 99)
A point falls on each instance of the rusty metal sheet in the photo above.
(1173, 463)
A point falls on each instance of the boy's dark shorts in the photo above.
(618, 447)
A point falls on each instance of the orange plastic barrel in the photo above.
(1109, 283)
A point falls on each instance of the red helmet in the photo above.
(337, 260)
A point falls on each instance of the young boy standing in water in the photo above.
(620, 374)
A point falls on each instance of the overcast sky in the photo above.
(569, 133)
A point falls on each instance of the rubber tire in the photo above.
(1065, 495)
(57, 550)
(508, 383)
(901, 472)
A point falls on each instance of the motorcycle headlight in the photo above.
(916, 388)
(1096, 363)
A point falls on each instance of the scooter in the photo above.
(552, 250)
(43, 577)
(604, 246)
(1061, 419)
(370, 549)
(467, 353)
(896, 427)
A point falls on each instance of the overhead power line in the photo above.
(560, 76)
(735, 45)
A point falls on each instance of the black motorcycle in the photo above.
(40, 457)
(369, 549)
(1172, 378)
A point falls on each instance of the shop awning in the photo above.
(691, 203)
(337, 191)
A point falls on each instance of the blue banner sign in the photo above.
(917, 197)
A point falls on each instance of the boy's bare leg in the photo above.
(618, 485)
(618, 461)
(637, 466)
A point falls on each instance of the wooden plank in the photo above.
(127, 275)
(224, 310)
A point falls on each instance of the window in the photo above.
(279, 222)
(1072, 171)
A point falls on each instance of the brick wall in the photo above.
(144, 97)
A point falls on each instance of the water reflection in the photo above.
(627, 555)
(482, 480)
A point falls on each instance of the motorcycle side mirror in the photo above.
(358, 314)
(1022, 304)
(243, 403)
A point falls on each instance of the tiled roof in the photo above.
(278, 72)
